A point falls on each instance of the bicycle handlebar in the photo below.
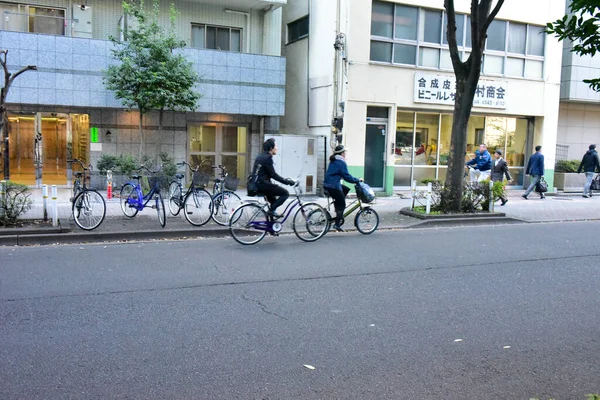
(181, 164)
(78, 161)
(148, 169)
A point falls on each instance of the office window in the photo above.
(216, 38)
(298, 29)
(408, 35)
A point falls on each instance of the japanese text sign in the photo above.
(441, 89)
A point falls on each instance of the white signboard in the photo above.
(441, 89)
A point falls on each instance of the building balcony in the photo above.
(70, 75)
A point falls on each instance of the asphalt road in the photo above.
(505, 312)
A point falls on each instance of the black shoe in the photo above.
(542, 197)
(338, 228)
(586, 196)
(273, 214)
(524, 196)
(504, 202)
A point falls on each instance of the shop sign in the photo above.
(441, 89)
(94, 135)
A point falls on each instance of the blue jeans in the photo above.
(534, 181)
(586, 189)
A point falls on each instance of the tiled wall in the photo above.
(574, 70)
(578, 127)
(70, 74)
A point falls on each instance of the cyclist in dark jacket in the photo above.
(337, 171)
(590, 165)
(276, 195)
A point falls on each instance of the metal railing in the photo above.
(45, 24)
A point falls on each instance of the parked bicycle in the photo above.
(225, 200)
(133, 199)
(250, 223)
(88, 208)
(366, 219)
(196, 201)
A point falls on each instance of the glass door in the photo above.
(375, 154)
(54, 148)
(21, 145)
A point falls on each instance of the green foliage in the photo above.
(475, 196)
(566, 166)
(150, 74)
(582, 29)
(15, 202)
(107, 162)
(127, 163)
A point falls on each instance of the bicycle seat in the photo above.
(136, 176)
(179, 176)
(218, 180)
(326, 193)
(78, 174)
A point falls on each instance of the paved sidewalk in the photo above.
(145, 225)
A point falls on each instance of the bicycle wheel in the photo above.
(248, 224)
(198, 207)
(128, 196)
(366, 221)
(175, 198)
(160, 210)
(310, 222)
(224, 204)
(89, 209)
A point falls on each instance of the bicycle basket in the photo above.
(157, 182)
(231, 183)
(364, 192)
(200, 179)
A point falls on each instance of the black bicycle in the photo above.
(196, 201)
(225, 200)
(89, 207)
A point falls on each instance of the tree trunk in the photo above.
(160, 134)
(141, 137)
(466, 85)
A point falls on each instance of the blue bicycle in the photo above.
(133, 199)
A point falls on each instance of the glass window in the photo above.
(460, 26)
(429, 57)
(517, 34)
(50, 21)
(382, 16)
(426, 139)
(496, 36)
(298, 29)
(420, 174)
(402, 176)
(211, 37)
(536, 39)
(406, 22)
(235, 165)
(445, 137)
(203, 138)
(516, 141)
(515, 66)
(405, 54)
(475, 135)
(534, 69)
(404, 139)
(381, 51)
(446, 61)
(431, 29)
(468, 34)
(495, 133)
(377, 112)
(493, 64)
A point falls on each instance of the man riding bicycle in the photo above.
(482, 165)
(265, 170)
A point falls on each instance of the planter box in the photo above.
(569, 181)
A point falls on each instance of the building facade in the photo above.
(63, 110)
(383, 67)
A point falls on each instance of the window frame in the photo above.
(230, 28)
(463, 48)
(297, 22)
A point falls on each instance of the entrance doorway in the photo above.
(375, 154)
(41, 144)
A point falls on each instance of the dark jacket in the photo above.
(267, 169)
(482, 161)
(589, 162)
(500, 170)
(337, 171)
(535, 166)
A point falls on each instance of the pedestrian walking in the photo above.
(499, 171)
(482, 165)
(590, 165)
(535, 168)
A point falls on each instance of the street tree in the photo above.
(581, 27)
(9, 78)
(467, 76)
(150, 74)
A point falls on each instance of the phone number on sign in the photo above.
(495, 103)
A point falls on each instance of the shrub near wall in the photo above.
(15, 201)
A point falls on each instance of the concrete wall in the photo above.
(578, 127)
(70, 74)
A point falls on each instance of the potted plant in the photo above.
(566, 177)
